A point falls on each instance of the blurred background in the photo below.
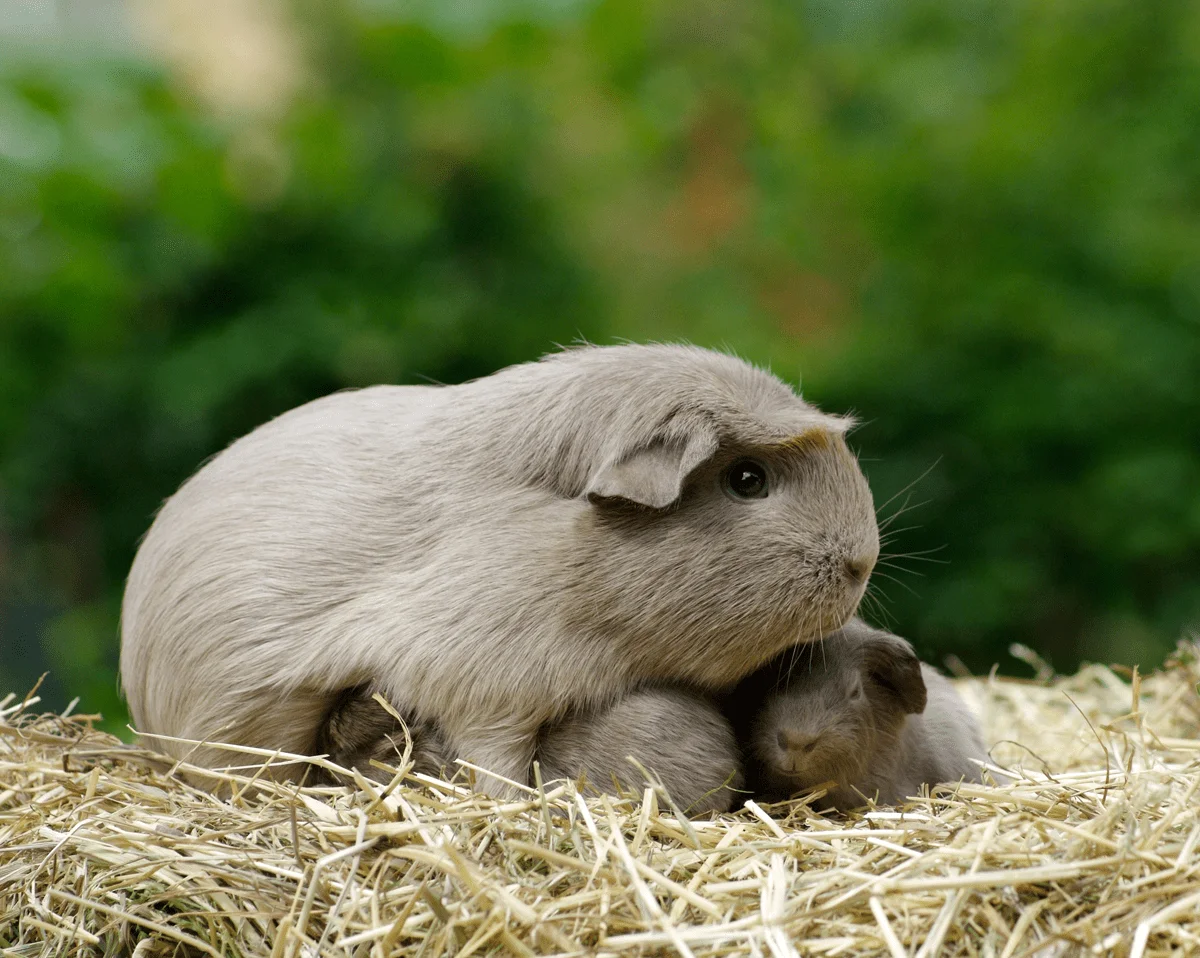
(975, 225)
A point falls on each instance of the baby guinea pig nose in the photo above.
(792, 741)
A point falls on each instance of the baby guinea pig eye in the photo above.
(745, 479)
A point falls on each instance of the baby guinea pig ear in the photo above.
(652, 474)
(890, 662)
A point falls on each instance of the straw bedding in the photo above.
(1093, 848)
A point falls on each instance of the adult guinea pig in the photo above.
(678, 736)
(493, 554)
(860, 710)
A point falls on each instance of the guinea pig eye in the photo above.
(746, 479)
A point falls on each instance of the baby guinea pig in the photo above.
(494, 555)
(358, 729)
(678, 736)
(860, 710)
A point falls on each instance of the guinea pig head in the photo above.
(840, 712)
(820, 729)
(736, 525)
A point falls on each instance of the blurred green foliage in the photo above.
(976, 225)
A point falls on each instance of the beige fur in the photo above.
(860, 710)
(494, 554)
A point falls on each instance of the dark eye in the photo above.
(746, 479)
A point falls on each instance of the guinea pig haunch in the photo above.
(860, 710)
(494, 554)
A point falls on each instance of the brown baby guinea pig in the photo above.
(860, 710)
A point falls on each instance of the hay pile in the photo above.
(1094, 849)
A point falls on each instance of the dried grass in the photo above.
(1094, 848)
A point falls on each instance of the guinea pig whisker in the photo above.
(899, 568)
(933, 466)
(812, 651)
(782, 670)
(878, 609)
(879, 591)
(892, 533)
(906, 507)
(795, 654)
(871, 604)
(797, 651)
(797, 658)
(915, 554)
(892, 578)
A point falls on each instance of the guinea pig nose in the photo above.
(791, 741)
(859, 568)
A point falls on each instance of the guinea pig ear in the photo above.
(891, 664)
(652, 475)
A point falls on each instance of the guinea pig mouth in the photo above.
(810, 778)
(818, 615)
(832, 598)
(835, 612)
(808, 770)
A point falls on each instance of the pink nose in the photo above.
(793, 741)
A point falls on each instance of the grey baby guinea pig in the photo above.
(495, 554)
(860, 710)
(679, 737)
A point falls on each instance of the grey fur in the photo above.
(859, 709)
(494, 554)
(678, 736)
